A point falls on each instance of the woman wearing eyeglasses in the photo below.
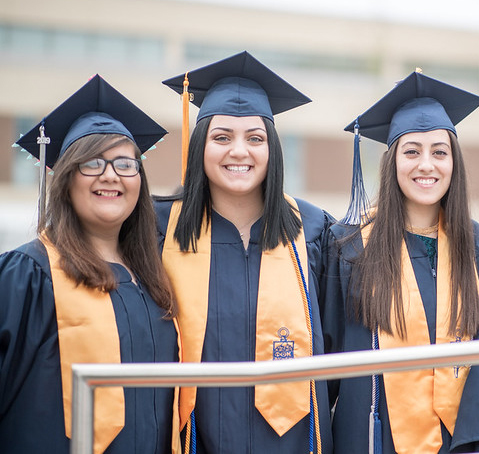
(90, 289)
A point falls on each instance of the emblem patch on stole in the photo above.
(283, 349)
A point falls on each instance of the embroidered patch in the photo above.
(283, 349)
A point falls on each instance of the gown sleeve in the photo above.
(338, 259)
(332, 283)
(162, 211)
(315, 224)
(26, 313)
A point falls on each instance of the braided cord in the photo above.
(190, 438)
(375, 378)
(314, 413)
(193, 432)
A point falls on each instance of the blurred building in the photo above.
(49, 49)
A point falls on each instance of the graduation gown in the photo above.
(226, 418)
(351, 416)
(31, 407)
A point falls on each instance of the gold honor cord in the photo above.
(310, 331)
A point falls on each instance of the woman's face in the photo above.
(236, 155)
(104, 202)
(424, 167)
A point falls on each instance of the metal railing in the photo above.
(87, 377)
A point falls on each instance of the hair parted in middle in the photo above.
(377, 279)
(137, 237)
(280, 222)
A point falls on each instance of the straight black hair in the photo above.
(280, 221)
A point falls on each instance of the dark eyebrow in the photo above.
(441, 143)
(256, 129)
(419, 144)
(221, 128)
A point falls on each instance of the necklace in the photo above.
(248, 224)
(243, 226)
(423, 230)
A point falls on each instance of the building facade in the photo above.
(49, 50)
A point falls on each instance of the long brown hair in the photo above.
(377, 277)
(138, 242)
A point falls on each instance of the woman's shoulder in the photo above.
(162, 206)
(315, 220)
(28, 255)
(27, 271)
(475, 227)
(308, 208)
(345, 241)
(340, 231)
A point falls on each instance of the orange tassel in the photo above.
(185, 132)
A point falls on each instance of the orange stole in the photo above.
(87, 333)
(418, 400)
(279, 305)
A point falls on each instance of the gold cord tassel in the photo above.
(310, 332)
(185, 131)
(188, 436)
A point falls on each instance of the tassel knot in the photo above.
(359, 201)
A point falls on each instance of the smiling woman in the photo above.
(424, 169)
(91, 288)
(231, 246)
(104, 201)
(236, 163)
(407, 275)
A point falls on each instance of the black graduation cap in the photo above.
(239, 85)
(418, 103)
(96, 108)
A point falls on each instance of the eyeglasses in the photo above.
(123, 167)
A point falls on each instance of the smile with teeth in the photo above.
(238, 169)
(425, 181)
(104, 193)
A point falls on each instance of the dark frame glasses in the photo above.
(123, 167)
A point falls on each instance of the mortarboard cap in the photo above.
(96, 108)
(417, 104)
(238, 86)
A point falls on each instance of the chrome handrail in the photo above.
(87, 377)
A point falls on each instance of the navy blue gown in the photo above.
(226, 418)
(351, 416)
(31, 407)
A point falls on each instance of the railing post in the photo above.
(82, 414)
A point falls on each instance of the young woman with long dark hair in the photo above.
(91, 288)
(229, 247)
(407, 275)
